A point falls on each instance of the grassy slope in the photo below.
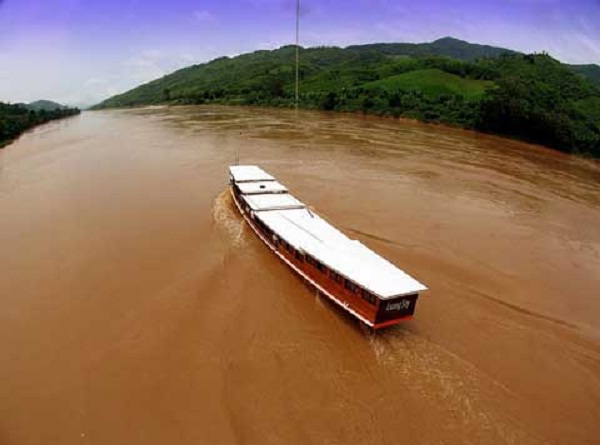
(433, 82)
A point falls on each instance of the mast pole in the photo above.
(297, 52)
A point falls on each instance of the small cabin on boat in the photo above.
(349, 273)
(261, 187)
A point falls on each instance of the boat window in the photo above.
(299, 256)
(368, 296)
(260, 225)
(336, 277)
(317, 264)
(320, 266)
(350, 286)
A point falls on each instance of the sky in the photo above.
(80, 52)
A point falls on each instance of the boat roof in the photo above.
(310, 233)
(272, 201)
(261, 187)
(245, 173)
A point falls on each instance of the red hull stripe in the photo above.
(391, 322)
(303, 275)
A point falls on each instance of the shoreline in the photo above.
(7, 142)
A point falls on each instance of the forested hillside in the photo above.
(15, 119)
(531, 97)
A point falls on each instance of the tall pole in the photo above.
(297, 51)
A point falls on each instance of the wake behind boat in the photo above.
(346, 271)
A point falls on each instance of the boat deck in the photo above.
(352, 275)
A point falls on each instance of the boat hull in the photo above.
(354, 305)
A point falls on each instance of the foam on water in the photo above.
(227, 220)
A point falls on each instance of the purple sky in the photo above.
(82, 51)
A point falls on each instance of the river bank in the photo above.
(17, 119)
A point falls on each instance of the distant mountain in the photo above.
(446, 46)
(527, 96)
(46, 105)
(590, 71)
(461, 50)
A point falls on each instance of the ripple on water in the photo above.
(457, 387)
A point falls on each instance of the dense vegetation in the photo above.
(531, 97)
(17, 118)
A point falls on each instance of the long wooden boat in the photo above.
(350, 274)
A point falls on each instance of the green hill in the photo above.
(446, 46)
(532, 97)
(433, 82)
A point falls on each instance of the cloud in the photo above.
(589, 49)
(93, 81)
(145, 67)
(92, 91)
(271, 44)
(131, 72)
(204, 16)
(152, 64)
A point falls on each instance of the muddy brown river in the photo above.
(137, 308)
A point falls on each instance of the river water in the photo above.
(137, 308)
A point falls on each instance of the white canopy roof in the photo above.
(277, 201)
(260, 187)
(244, 173)
(308, 232)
